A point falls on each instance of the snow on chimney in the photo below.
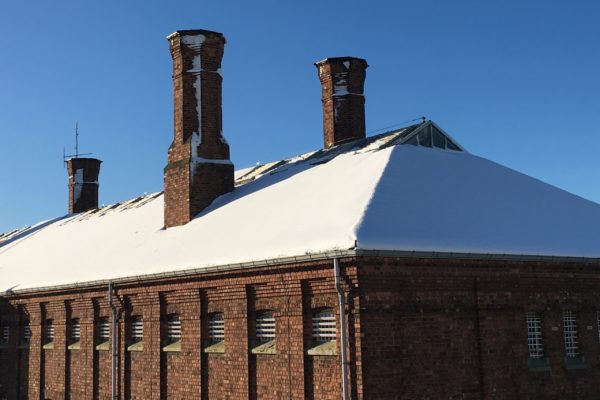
(199, 169)
(342, 87)
(83, 184)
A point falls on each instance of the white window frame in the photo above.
(535, 339)
(570, 334)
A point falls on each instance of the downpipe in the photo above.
(343, 330)
(113, 345)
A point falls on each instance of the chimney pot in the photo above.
(342, 93)
(83, 184)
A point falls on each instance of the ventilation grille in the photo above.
(4, 334)
(265, 326)
(216, 327)
(137, 329)
(104, 329)
(173, 328)
(75, 330)
(26, 333)
(323, 326)
(49, 331)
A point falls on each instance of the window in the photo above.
(136, 331)
(265, 326)
(4, 333)
(216, 328)
(103, 329)
(75, 330)
(25, 333)
(598, 317)
(534, 335)
(173, 328)
(323, 326)
(570, 331)
(49, 331)
(48, 334)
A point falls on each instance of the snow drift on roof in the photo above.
(372, 194)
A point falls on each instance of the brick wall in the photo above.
(418, 329)
(290, 291)
(457, 328)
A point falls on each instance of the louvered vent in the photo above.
(26, 332)
(4, 334)
(265, 326)
(49, 331)
(137, 329)
(104, 329)
(216, 327)
(173, 328)
(75, 330)
(323, 326)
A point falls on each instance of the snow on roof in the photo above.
(371, 194)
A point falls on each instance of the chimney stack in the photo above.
(83, 184)
(199, 169)
(342, 87)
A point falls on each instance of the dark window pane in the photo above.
(439, 139)
(413, 141)
(425, 137)
(451, 145)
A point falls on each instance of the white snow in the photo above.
(399, 198)
(347, 64)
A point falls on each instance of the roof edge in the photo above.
(304, 258)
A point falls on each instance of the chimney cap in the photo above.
(337, 60)
(195, 32)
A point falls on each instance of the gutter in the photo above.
(327, 255)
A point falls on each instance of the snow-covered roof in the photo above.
(371, 194)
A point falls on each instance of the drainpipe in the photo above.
(343, 332)
(113, 345)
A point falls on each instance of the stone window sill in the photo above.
(323, 349)
(74, 346)
(174, 347)
(138, 346)
(104, 346)
(575, 362)
(538, 364)
(48, 346)
(264, 348)
(218, 347)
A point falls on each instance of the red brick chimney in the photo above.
(199, 169)
(342, 87)
(83, 184)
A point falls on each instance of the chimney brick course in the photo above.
(199, 169)
(342, 93)
(83, 184)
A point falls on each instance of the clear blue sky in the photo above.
(517, 82)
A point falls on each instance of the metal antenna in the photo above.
(77, 139)
(76, 155)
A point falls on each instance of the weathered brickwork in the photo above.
(456, 329)
(199, 168)
(418, 329)
(290, 291)
(83, 184)
(342, 94)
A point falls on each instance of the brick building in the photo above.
(398, 266)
